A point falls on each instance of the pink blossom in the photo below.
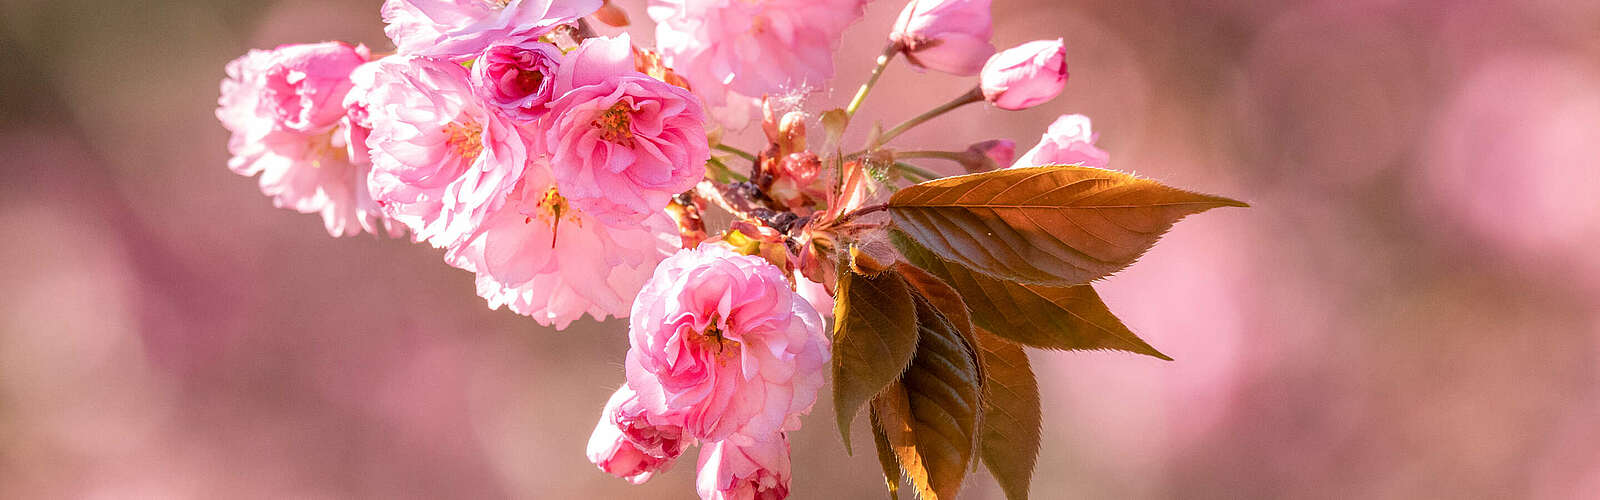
(749, 48)
(613, 453)
(755, 471)
(356, 124)
(305, 87)
(621, 143)
(613, 450)
(442, 162)
(815, 294)
(1068, 141)
(721, 345)
(460, 29)
(517, 78)
(283, 108)
(946, 35)
(541, 257)
(1026, 75)
(649, 433)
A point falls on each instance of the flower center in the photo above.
(616, 124)
(527, 81)
(552, 208)
(466, 141)
(713, 341)
(498, 4)
(322, 148)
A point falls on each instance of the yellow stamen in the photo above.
(554, 208)
(466, 141)
(726, 348)
(616, 124)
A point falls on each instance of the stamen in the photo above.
(466, 141)
(726, 348)
(553, 208)
(616, 124)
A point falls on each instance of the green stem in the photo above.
(727, 173)
(954, 156)
(888, 54)
(736, 151)
(915, 170)
(970, 97)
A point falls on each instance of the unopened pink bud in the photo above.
(990, 155)
(1026, 75)
(630, 443)
(951, 36)
(616, 455)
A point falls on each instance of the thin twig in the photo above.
(970, 97)
(857, 213)
(955, 156)
(889, 51)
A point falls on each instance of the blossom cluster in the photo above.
(568, 172)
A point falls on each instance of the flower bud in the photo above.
(730, 470)
(784, 125)
(989, 155)
(1068, 141)
(650, 434)
(517, 79)
(1026, 75)
(792, 132)
(951, 36)
(625, 444)
(616, 455)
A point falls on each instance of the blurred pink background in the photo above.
(1410, 310)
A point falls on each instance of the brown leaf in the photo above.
(1011, 415)
(940, 294)
(1070, 318)
(874, 339)
(931, 418)
(871, 258)
(886, 458)
(945, 299)
(1051, 225)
